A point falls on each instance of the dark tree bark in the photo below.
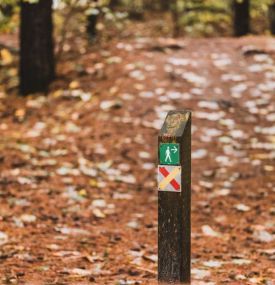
(271, 15)
(150, 5)
(6, 9)
(164, 5)
(241, 17)
(37, 67)
(175, 18)
(114, 3)
(136, 11)
(91, 26)
(92, 19)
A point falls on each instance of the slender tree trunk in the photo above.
(175, 18)
(164, 5)
(136, 10)
(149, 5)
(37, 67)
(91, 25)
(6, 9)
(271, 15)
(114, 3)
(241, 17)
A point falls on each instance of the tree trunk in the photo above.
(136, 10)
(175, 18)
(91, 26)
(37, 66)
(164, 5)
(114, 3)
(6, 9)
(271, 15)
(241, 17)
(149, 5)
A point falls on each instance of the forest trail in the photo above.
(78, 195)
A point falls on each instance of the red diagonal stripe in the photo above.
(173, 182)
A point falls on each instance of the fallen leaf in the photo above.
(208, 231)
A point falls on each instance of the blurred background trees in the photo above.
(195, 17)
(41, 21)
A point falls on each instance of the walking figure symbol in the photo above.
(168, 155)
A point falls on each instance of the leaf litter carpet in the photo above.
(78, 194)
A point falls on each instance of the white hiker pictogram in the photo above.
(168, 155)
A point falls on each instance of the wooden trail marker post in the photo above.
(174, 198)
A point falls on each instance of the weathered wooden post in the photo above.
(174, 198)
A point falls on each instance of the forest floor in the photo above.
(78, 194)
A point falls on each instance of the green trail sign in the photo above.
(169, 153)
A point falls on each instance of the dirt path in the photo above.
(77, 169)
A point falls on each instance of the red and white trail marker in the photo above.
(169, 178)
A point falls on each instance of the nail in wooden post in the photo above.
(174, 198)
